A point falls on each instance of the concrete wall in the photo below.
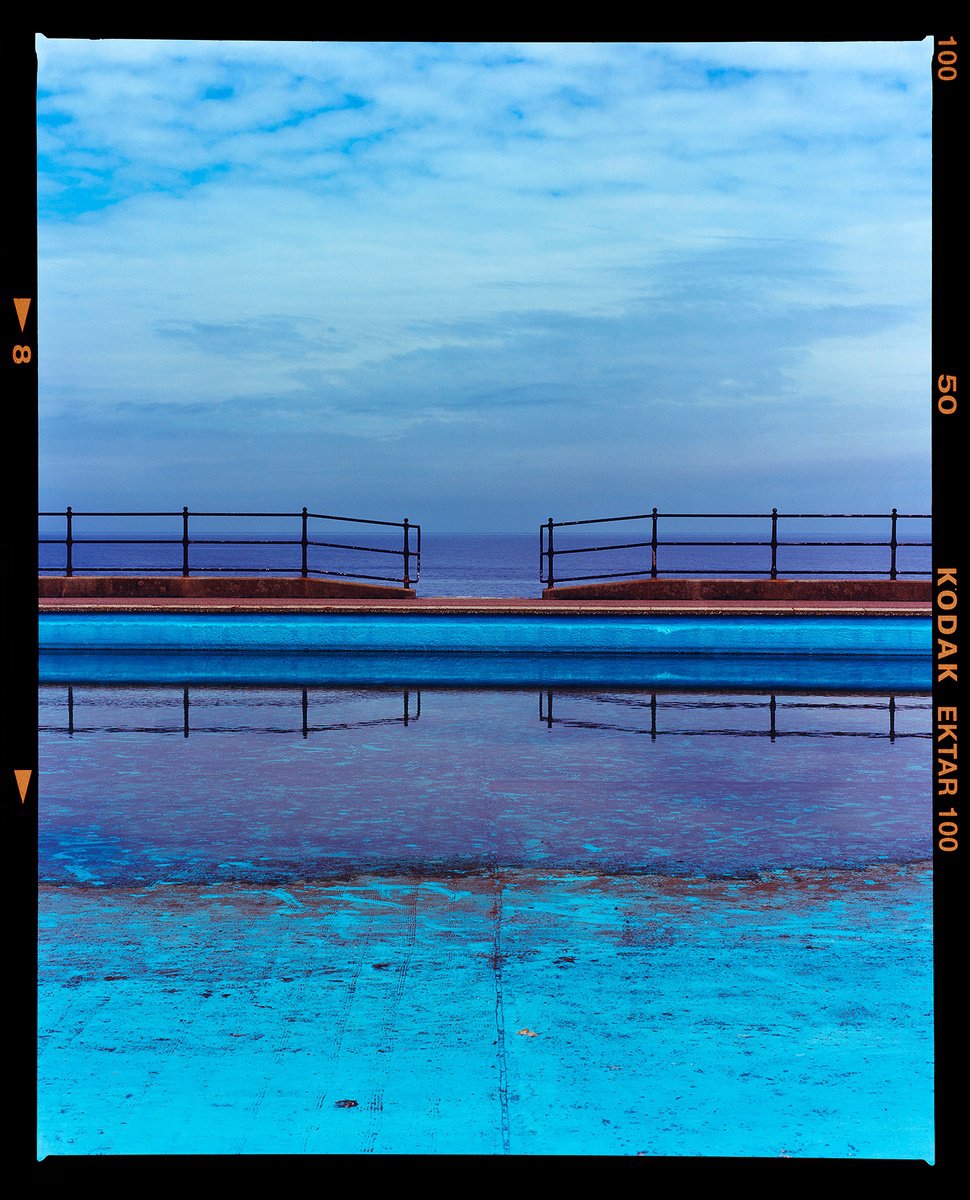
(203, 587)
(746, 589)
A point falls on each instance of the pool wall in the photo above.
(495, 634)
(824, 652)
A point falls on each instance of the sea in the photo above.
(488, 564)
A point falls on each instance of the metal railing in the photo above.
(410, 552)
(548, 551)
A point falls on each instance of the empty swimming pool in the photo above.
(542, 917)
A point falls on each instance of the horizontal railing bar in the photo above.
(591, 549)
(612, 575)
(763, 545)
(594, 520)
(199, 572)
(205, 513)
(358, 520)
(197, 541)
(104, 513)
(279, 542)
(213, 542)
(366, 549)
(877, 545)
(151, 568)
(729, 572)
(774, 734)
(115, 541)
(748, 517)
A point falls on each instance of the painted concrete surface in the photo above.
(848, 672)
(493, 633)
(836, 651)
(499, 1011)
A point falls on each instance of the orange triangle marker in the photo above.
(23, 779)
(22, 306)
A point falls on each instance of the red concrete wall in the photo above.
(202, 587)
(746, 589)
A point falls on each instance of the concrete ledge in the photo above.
(200, 587)
(747, 589)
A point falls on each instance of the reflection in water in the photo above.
(208, 700)
(831, 708)
(281, 783)
(255, 701)
(645, 922)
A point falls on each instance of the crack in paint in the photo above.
(497, 959)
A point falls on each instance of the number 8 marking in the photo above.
(21, 354)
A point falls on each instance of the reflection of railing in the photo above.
(411, 555)
(658, 714)
(281, 700)
(652, 707)
(548, 551)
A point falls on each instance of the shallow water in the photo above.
(144, 785)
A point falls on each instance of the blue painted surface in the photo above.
(461, 650)
(781, 671)
(423, 633)
(498, 1012)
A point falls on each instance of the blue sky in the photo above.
(482, 284)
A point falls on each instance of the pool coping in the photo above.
(501, 606)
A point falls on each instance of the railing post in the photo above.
(185, 541)
(550, 579)
(893, 544)
(69, 542)
(774, 543)
(653, 545)
(303, 544)
(892, 718)
(407, 553)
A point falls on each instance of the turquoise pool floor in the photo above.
(497, 1012)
